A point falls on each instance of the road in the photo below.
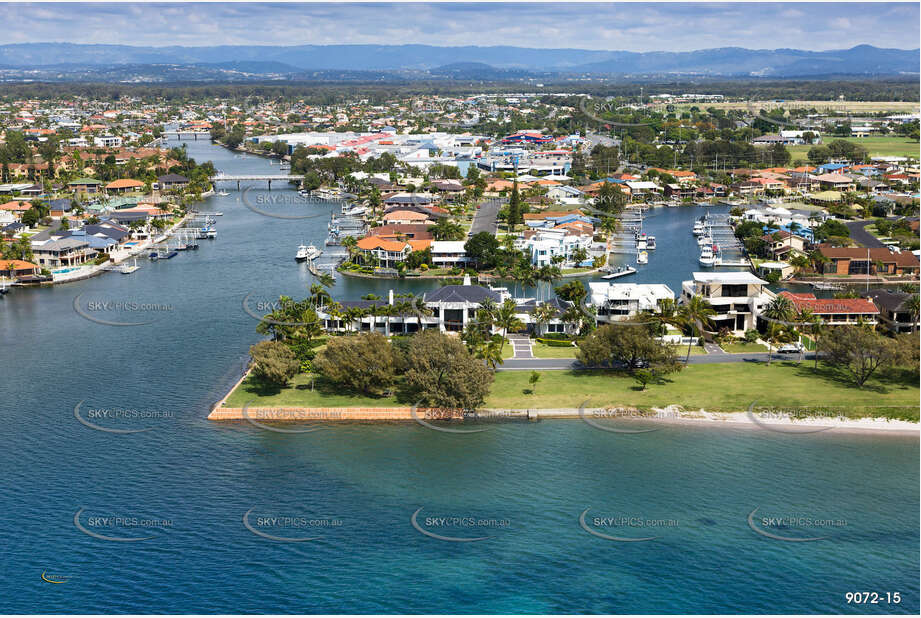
(485, 218)
(551, 364)
(862, 236)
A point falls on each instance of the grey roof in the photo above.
(61, 244)
(531, 305)
(172, 178)
(462, 294)
(888, 300)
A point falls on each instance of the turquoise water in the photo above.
(191, 481)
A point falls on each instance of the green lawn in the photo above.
(682, 350)
(727, 387)
(300, 394)
(542, 350)
(878, 146)
(743, 348)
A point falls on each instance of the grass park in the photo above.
(722, 387)
(877, 146)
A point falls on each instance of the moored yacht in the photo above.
(650, 242)
(707, 257)
(642, 258)
(306, 252)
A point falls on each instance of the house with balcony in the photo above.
(836, 311)
(544, 245)
(737, 297)
(620, 301)
(382, 252)
(873, 261)
(62, 252)
(893, 310)
(449, 253)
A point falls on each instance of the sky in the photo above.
(607, 26)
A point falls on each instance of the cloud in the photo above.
(608, 26)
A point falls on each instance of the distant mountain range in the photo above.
(417, 61)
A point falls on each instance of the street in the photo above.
(552, 364)
(485, 218)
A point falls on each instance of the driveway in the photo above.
(485, 218)
(862, 236)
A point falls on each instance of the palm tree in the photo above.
(506, 320)
(326, 279)
(445, 229)
(696, 313)
(804, 318)
(780, 312)
(912, 307)
(799, 263)
(774, 332)
(319, 295)
(350, 244)
(543, 314)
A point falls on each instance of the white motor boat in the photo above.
(641, 241)
(699, 228)
(650, 242)
(307, 252)
(705, 239)
(707, 257)
(642, 258)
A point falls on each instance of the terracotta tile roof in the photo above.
(124, 183)
(16, 205)
(420, 245)
(369, 243)
(832, 305)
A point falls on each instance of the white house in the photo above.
(737, 297)
(107, 141)
(544, 245)
(448, 253)
(618, 301)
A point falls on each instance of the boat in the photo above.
(222, 193)
(4, 289)
(127, 269)
(641, 241)
(307, 252)
(707, 257)
(698, 228)
(651, 242)
(623, 271)
(704, 239)
(642, 258)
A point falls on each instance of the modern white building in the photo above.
(619, 301)
(737, 297)
(448, 253)
(544, 245)
(107, 141)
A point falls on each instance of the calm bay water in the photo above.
(197, 479)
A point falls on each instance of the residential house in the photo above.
(124, 185)
(782, 244)
(385, 253)
(737, 297)
(84, 185)
(835, 311)
(172, 182)
(862, 261)
(449, 254)
(836, 182)
(62, 252)
(406, 217)
(14, 269)
(893, 310)
(619, 301)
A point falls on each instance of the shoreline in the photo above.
(670, 415)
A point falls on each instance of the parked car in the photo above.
(640, 363)
(790, 348)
